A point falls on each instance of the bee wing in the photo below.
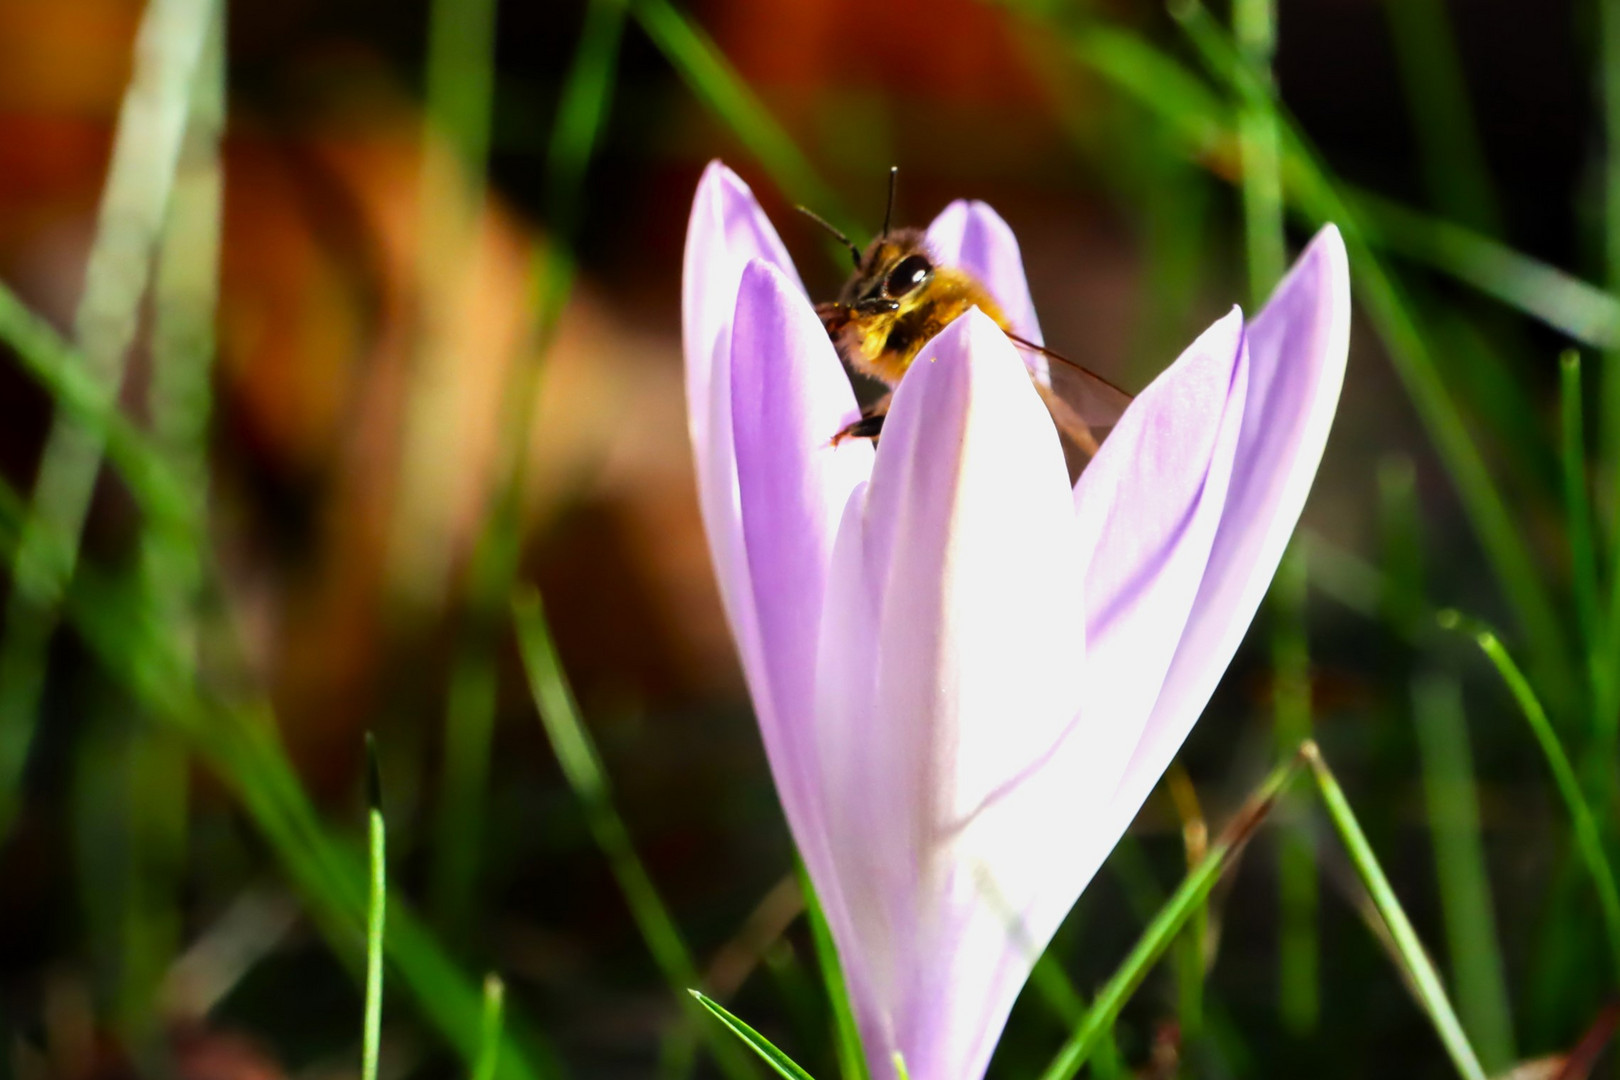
(1084, 405)
(1094, 400)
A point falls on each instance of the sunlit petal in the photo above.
(970, 235)
(949, 677)
(789, 396)
(1297, 350)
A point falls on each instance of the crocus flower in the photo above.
(969, 675)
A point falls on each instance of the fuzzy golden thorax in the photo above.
(897, 300)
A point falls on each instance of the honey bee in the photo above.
(900, 297)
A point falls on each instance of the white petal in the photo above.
(948, 685)
(1297, 349)
(789, 397)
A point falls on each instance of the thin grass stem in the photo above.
(582, 114)
(489, 1048)
(1454, 166)
(376, 913)
(1315, 194)
(1582, 548)
(470, 715)
(1298, 996)
(576, 754)
(1431, 993)
(450, 210)
(170, 565)
(1161, 933)
(1574, 307)
(146, 151)
(846, 1034)
(240, 744)
(1199, 119)
(1608, 12)
(779, 1062)
(711, 77)
(1583, 822)
(1459, 862)
(1254, 27)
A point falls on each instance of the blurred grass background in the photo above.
(326, 327)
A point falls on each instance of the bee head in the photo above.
(896, 266)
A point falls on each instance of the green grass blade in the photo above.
(157, 763)
(376, 913)
(1254, 26)
(1563, 301)
(717, 84)
(1608, 12)
(460, 83)
(780, 1062)
(450, 206)
(489, 1049)
(1454, 166)
(1403, 604)
(185, 302)
(582, 114)
(240, 745)
(60, 369)
(1578, 521)
(146, 150)
(1459, 862)
(155, 770)
(1584, 824)
(846, 1034)
(582, 768)
(334, 878)
(470, 715)
(1161, 933)
(1298, 994)
(1187, 108)
(1316, 195)
(1192, 946)
(1419, 968)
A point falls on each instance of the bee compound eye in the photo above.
(907, 275)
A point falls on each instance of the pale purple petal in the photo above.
(971, 236)
(727, 229)
(1149, 506)
(789, 396)
(948, 683)
(1297, 349)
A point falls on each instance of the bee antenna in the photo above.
(888, 213)
(833, 231)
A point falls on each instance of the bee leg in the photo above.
(869, 426)
(833, 316)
